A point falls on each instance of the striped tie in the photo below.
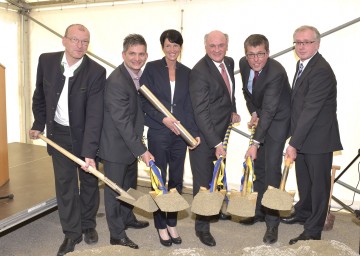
(301, 68)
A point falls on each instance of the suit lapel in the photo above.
(299, 82)
(216, 74)
(165, 75)
(127, 75)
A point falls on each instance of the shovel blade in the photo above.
(141, 200)
(208, 203)
(242, 205)
(170, 202)
(277, 199)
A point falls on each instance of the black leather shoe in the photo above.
(292, 219)
(68, 245)
(223, 216)
(175, 240)
(206, 238)
(303, 237)
(124, 242)
(252, 220)
(271, 235)
(137, 224)
(90, 236)
(164, 242)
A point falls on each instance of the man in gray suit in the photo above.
(214, 108)
(314, 133)
(121, 138)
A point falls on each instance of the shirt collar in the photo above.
(69, 71)
(135, 77)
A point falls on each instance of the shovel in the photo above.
(167, 201)
(209, 202)
(279, 199)
(243, 203)
(190, 140)
(132, 196)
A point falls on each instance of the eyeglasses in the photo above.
(252, 55)
(75, 41)
(303, 43)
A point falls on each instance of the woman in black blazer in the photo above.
(168, 80)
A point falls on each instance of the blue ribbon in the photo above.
(158, 176)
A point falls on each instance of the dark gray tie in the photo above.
(301, 68)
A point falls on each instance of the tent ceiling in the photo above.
(28, 5)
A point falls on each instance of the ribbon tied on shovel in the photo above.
(243, 203)
(167, 201)
(209, 202)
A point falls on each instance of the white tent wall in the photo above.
(276, 19)
(10, 58)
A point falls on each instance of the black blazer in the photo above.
(211, 100)
(121, 136)
(314, 125)
(156, 78)
(86, 91)
(270, 99)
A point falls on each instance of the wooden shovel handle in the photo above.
(285, 174)
(91, 169)
(190, 140)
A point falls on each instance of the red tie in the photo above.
(225, 77)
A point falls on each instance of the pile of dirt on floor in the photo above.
(301, 248)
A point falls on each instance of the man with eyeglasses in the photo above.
(268, 102)
(68, 100)
(314, 133)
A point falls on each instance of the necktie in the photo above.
(225, 77)
(256, 75)
(301, 67)
(251, 86)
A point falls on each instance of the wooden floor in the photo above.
(31, 182)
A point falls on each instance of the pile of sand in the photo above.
(301, 248)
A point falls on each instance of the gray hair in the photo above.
(307, 27)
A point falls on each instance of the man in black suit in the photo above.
(314, 133)
(121, 138)
(214, 107)
(268, 102)
(68, 99)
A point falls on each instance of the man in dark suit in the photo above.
(68, 99)
(314, 133)
(268, 101)
(121, 138)
(214, 107)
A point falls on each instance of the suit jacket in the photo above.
(211, 100)
(86, 90)
(314, 125)
(270, 99)
(122, 132)
(156, 78)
